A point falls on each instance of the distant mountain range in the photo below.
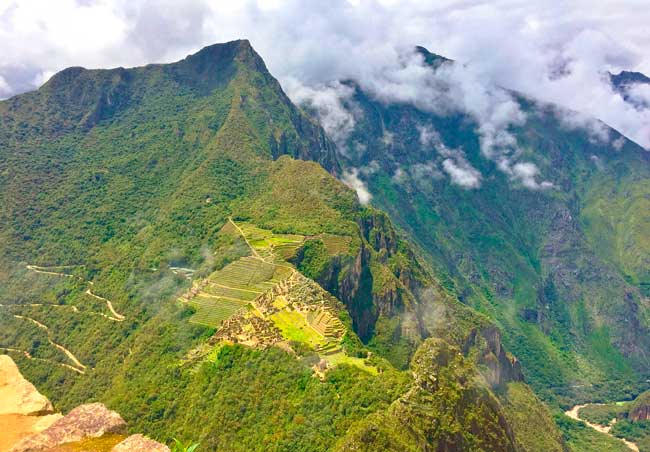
(176, 243)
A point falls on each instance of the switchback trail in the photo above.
(573, 413)
(80, 367)
(27, 355)
(117, 317)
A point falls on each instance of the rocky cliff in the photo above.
(640, 408)
(29, 423)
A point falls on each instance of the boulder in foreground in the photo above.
(17, 395)
(86, 421)
(140, 443)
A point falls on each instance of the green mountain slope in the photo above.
(562, 270)
(160, 238)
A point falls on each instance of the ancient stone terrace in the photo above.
(326, 324)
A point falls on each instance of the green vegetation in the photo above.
(182, 181)
(582, 438)
(638, 432)
(530, 419)
(294, 327)
(313, 258)
(340, 357)
(602, 414)
(561, 271)
(213, 311)
(180, 447)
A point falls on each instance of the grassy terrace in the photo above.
(212, 311)
(238, 284)
(233, 287)
(294, 327)
(271, 247)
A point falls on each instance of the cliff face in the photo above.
(396, 303)
(558, 266)
(17, 395)
(30, 425)
(498, 366)
(640, 408)
(446, 409)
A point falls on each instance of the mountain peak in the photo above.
(628, 78)
(215, 56)
(432, 59)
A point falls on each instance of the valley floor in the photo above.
(574, 413)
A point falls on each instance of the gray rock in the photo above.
(140, 443)
(86, 421)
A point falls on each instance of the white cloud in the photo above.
(526, 173)
(5, 90)
(619, 143)
(351, 179)
(462, 173)
(422, 173)
(555, 51)
(399, 176)
(327, 102)
(427, 135)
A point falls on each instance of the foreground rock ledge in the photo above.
(17, 395)
(140, 443)
(85, 421)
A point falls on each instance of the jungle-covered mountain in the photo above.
(175, 243)
(550, 240)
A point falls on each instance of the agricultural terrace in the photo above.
(261, 300)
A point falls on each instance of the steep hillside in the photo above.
(161, 245)
(556, 253)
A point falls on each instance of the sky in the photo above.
(554, 51)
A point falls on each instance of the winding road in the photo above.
(574, 412)
(117, 317)
(79, 366)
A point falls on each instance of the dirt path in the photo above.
(254, 251)
(27, 355)
(252, 248)
(117, 317)
(573, 413)
(80, 367)
(235, 288)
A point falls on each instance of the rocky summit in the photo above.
(187, 253)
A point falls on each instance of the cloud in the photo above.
(327, 103)
(5, 90)
(557, 52)
(427, 135)
(526, 173)
(351, 179)
(462, 173)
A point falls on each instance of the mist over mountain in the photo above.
(385, 248)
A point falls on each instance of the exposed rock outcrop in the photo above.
(17, 395)
(424, 419)
(139, 443)
(86, 421)
(640, 409)
(499, 366)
